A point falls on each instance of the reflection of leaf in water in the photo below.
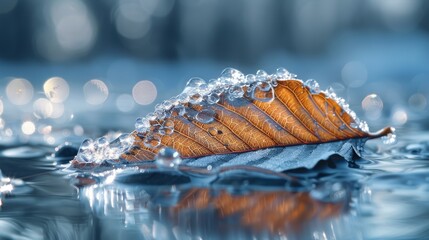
(276, 211)
(295, 116)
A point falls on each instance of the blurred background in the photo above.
(71, 66)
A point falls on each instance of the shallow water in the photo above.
(380, 196)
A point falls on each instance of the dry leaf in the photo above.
(295, 116)
(235, 114)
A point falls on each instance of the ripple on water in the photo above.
(23, 152)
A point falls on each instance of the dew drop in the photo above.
(167, 105)
(126, 140)
(167, 127)
(160, 114)
(205, 116)
(152, 140)
(232, 75)
(183, 97)
(101, 142)
(313, 85)
(330, 93)
(151, 117)
(282, 73)
(262, 91)
(193, 84)
(235, 91)
(142, 125)
(168, 158)
(213, 98)
(389, 139)
(179, 110)
(214, 131)
(250, 78)
(261, 75)
(196, 98)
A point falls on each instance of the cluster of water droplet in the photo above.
(314, 87)
(195, 102)
(100, 149)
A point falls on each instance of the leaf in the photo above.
(236, 114)
(294, 117)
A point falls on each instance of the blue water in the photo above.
(382, 195)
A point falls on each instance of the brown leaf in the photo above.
(294, 116)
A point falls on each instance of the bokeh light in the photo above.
(95, 91)
(373, 106)
(69, 30)
(354, 74)
(144, 92)
(28, 127)
(42, 108)
(78, 130)
(56, 89)
(399, 117)
(417, 101)
(57, 110)
(19, 91)
(125, 103)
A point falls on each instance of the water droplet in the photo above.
(313, 85)
(183, 98)
(167, 105)
(142, 125)
(196, 98)
(214, 131)
(101, 142)
(261, 75)
(235, 91)
(389, 138)
(126, 140)
(152, 140)
(179, 110)
(232, 75)
(193, 84)
(262, 91)
(160, 114)
(167, 127)
(330, 93)
(86, 150)
(151, 117)
(168, 158)
(213, 98)
(250, 78)
(205, 116)
(282, 73)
